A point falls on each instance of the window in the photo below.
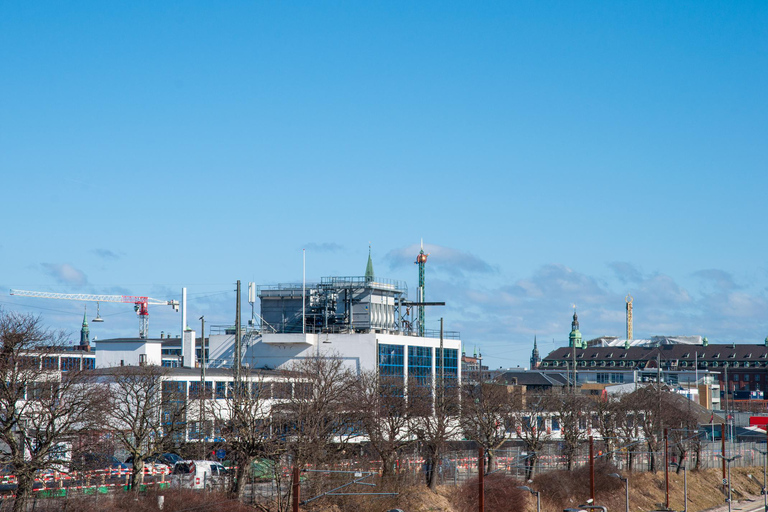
(194, 389)
(89, 363)
(391, 361)
(420, 365)
(757, 377)
(735, 377)
(746, 377)
(555, 423)
(261, 390)
(221, 390)
(282, 390)
(302, 390)
(50, 363)
(69, 364)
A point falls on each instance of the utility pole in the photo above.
(722, 452)
(480, 479)
(238, 338)
(202, 376)
(592, 468)
(666, 469)
(442, 356)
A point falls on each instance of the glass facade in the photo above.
(420, 365)
(391, 361)
(450, 358)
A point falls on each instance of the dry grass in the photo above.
(559, 490)
(646, 490)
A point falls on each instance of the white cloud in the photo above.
(65, 273)
(445, 260)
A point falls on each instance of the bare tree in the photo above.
(608, 417)
(628, 425)
(573, 411)
(434, 421)
(646, 402)
(40, 407)
(529, 425)
(316, 424)
(247, 426)
(484, 412)
(147, 412)
(378, 404)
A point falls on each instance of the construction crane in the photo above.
(140, 304)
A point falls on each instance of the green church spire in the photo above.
(369, 267)
(85, 334)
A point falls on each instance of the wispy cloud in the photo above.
(441, 259)
(626, 272)
(106, 254)
(65, 273)
(323, 247)
(719, 278)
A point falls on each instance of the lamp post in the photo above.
(685, 485)
(728, 461)
(537, 493)
(626, 488)
(765, 467)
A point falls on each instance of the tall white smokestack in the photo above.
(183, 319)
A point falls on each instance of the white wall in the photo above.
(359, 351)
(110, 353)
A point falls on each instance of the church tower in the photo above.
(535, 358)
(85, 333)
(574, 339)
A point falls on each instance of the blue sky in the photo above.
(549, 153)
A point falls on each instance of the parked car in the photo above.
(198, 474)
(151, 465)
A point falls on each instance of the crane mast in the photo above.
(140, 304)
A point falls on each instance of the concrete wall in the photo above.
(112, 352)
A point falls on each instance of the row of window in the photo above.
(683, 364)
(391, 360)
(221, 390)
(63, 363)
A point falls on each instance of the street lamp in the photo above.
(537, 493)
(765, 467)
(626, 488)
(685, 484)
(728, 461)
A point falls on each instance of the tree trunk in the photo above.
(137, 475)
(492, 460)
(23, 491)
(530, 464)
(238, 482)
(431, 462)
(651, 458)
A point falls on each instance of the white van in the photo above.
(199, 474)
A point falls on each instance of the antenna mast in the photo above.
(629, 300)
